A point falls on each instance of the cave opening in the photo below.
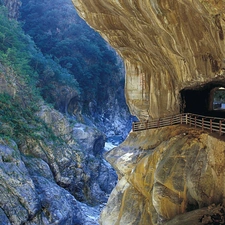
(207, 100)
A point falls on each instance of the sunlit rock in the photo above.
(178, 170)
(166, 46)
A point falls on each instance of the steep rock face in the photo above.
(166, 46)
(28, 191)
(44, 180)
(164, 173)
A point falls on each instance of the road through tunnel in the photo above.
(207, 100)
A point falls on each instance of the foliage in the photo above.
(13, 46)
(19, 52)
(219, 96)
(58, 31)
(26, 65)
(20, 122)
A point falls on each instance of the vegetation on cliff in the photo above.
(49, 163)
(20, 58)
(67, 40)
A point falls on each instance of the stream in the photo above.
(93, 213)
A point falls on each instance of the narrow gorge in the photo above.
(52, 136)
(174, 55)
(61, 96)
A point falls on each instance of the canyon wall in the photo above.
(172, 175)
(164, 173)
(166, 46)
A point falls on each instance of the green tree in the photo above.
(59, 32)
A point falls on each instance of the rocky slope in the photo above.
(48, 175)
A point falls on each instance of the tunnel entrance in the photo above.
(207, 100)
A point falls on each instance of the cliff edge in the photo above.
(164, 173)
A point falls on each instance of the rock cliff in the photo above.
(164, 173)
(48, 174)
(168, 47)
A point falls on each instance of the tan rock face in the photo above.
(166, 46)
(178, 170)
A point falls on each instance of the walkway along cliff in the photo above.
(174, 54)
(212, 124)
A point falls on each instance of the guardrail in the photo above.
(213, 124)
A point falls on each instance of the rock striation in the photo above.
(164, 173)
(166, 46)
(172, 175)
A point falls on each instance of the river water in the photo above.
(93, 213)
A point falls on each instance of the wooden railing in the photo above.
(212, 124)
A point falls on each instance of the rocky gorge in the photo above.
(174, 60)
(47, 180)
(173, 53)
(52, 165)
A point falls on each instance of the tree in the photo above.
(59, 32)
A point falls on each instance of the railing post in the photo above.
(186, 119)
(202, 123)
(158, 123)
(220, 129)
(171, 120)
(211, 125)
(181, 118)
(195, 121)
(133, 126)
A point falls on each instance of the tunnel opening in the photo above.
(207, 100)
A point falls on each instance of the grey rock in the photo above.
(3, 218)
(89, 138)
(58, 205)
(18, 196)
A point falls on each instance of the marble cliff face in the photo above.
(166, 46)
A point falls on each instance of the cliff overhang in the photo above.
(167, 46)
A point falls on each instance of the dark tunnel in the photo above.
(204, 100)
